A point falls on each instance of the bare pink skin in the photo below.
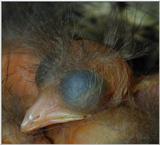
(48, 109)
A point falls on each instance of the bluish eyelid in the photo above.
(82, 89)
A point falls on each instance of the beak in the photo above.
(46, 111)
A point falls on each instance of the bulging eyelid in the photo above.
(82, 89)
(111, 66)
(107, 63)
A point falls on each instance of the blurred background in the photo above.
(130, 27)
(141, 19)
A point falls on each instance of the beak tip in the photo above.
(24, 126)
(27, 121)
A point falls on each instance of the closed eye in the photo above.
(82, 90)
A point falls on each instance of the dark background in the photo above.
(95, 21)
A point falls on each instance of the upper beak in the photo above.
(48, 110)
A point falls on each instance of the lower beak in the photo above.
(47, 111)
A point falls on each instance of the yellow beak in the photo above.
(48, 110)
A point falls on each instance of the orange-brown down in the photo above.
(123, 117)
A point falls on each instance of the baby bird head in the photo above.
(80, 80)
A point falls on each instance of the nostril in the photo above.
(36, 117)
